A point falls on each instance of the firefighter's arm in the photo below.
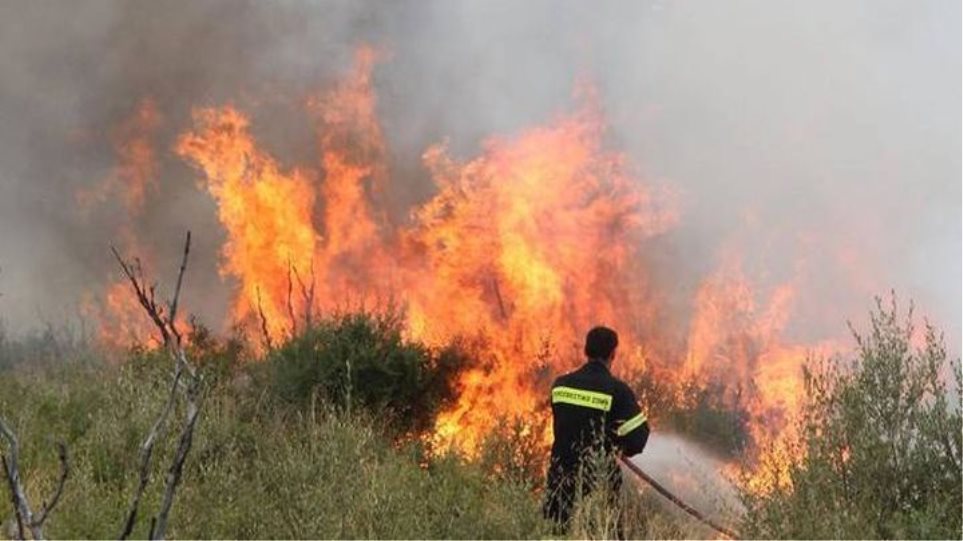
(631, 424)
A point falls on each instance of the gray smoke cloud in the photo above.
(820, 138)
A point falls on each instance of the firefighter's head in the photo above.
(600, 343)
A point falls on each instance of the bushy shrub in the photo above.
(709, 413)
(879, 449)
(706, 414)
(219, 359)
(361, 360)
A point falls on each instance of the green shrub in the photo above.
(879, 445)
(362, 360)
(219, 359)
(710, 413)
(706, 415)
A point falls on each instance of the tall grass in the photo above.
(319, 439)
(256, 470)
(299, 444)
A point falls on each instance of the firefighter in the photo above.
(594, 414)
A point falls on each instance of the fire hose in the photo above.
(675, 499)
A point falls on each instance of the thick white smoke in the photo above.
(820, 139)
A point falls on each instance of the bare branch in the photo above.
(294, 321)
(145, 296)
(309, 308)
(307, 295)
(13, 496)
(177, 466)
(64, 472)
(168, 329)
(146, 451)
(171, 320)
(265, 335)
(498, 297)
(12, 471)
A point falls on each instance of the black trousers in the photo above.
(567, 485)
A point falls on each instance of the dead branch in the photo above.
(191, 394)
(13, 496)
(265, 335)
(21, 506)
(498, 297)
(171, 320)
(309, 304)
(294, 321)
(145, 294)
(307, 296)
(177, 466)
(146, 451)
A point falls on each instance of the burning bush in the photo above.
(879, 445)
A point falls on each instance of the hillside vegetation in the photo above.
(320, 440)
(315, 441)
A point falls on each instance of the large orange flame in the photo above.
(267, 214)
(521, 249)
(528, 245)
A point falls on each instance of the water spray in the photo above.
(675, 499)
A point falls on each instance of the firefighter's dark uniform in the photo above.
(592, 412)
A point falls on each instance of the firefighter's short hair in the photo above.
(600, 342)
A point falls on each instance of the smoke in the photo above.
(818, 141)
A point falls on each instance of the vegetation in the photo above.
(293, 447)
(256, 469)
(318, 441)
(360, 360)
(707, 412)
(879, 445)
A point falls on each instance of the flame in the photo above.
(352, 255)
(266, 212)
(520, 250)
(118, 317)
(736, 339)
(533, 238)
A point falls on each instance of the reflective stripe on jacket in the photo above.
(590, 404)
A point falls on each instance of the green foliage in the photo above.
(319, 439)
(705, 414)
(709, 413)
(879, 442)
(362, 361)
(219, 359)
(255, 471)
